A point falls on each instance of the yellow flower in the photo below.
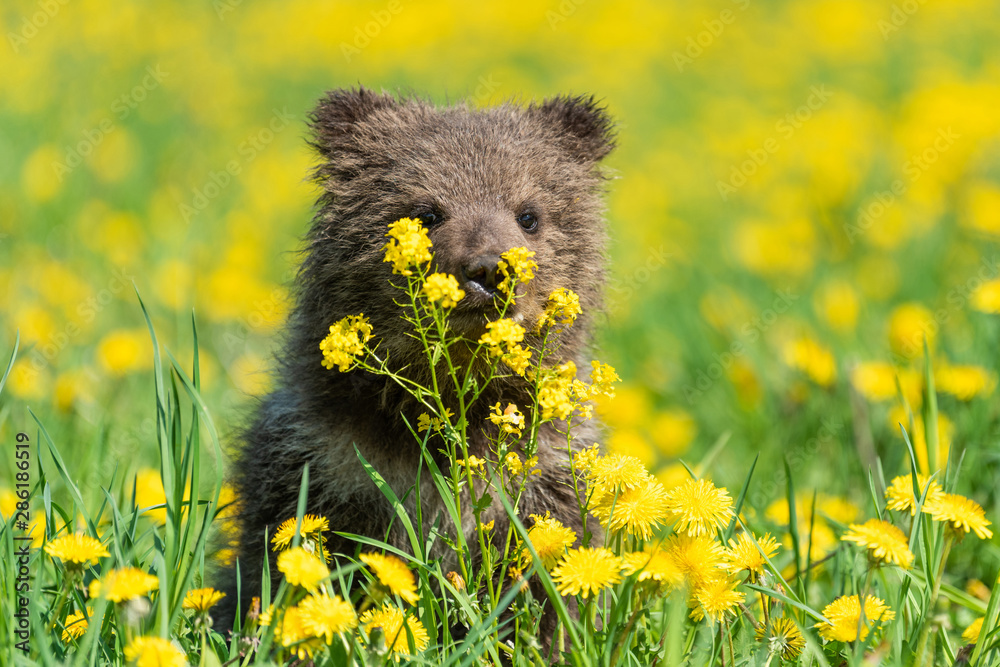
(918, 436)
(584, 459)
(444, 288)
(698, 507)
(516, 266)
(816, 361)
(700, 559)
(149, 492)
(154, 652)
(345, 342)
(550, 539)
(408, 246)
(637, 511)
(500, 334)
(616, 472)
(302, 568)
(961, 513)
(425, 421)
(909, 326)
(397, 628)
(514, 464)
(876, 381)
(74, 626)
(562, 308)
(965, 382)
(509, 419)
(602, 379)
(885, 542)
(837, 303)
(844, 615)
(716, 598)
(312, 529)
(324, 616)
(986, 297)
(124, 584)
(743, 554)
(586, 571)
(899, 496)
(475, 464)
(393, 574)
(202, 599)
(555, 392)
(77, 550)
(971, 633)
(783, 638)
(292, 633)
(653, 564)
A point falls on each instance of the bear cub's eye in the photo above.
(528, 221)
(428, 217)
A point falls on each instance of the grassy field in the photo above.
(805, 255)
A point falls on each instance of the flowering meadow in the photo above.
(796, 364)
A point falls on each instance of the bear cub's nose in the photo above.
(482, 275)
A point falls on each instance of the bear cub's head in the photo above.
(482, 181)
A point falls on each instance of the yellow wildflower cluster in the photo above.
(124, 584)
(425, 421)
(77, 550)
(844, 616)
(302, 568)
(408, 246)
(345, 342)
(502, 340)
(399, 629)
(155, 652)
(562, 309)
(509, 419)
(443, 288)
(885, 542)
(314, 622)
(517, 267)
(312, 531)
(816, 361)
(393, 574)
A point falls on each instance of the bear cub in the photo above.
(482, 181)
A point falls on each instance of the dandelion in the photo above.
(302, 568)
(783, 638)
(443, 288)
(397, 628)
(965, 382)
(876, 381)
(699, 558)
(516, 266)
(910, 326)
(154, 652)
(76, 551)
(716, 598)
(637, 511)
(844, 615)
(408, 246)
(550, 539)
(960, 513)
(743, 554)
(899, 496)
(293, 633)
(562, 308)
(986, 297)
(345, 342)
(586, 571)
(885, 542)
(74, 626)
(124, 584)
(816, 361)
(698, 506)
(602, 379)
(616, 472)
(312, 530)
(202, 599)
(394, 575)
(971, 633)
(509, 419)
(324, 616)
(456, 580)
(653, 564)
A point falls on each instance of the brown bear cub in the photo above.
(482, 181)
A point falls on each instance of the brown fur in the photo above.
(384, 158)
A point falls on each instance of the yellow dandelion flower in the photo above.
(876, 381)
(516, 266)
(394, 575)
(202, 599)
(910, 325)
(899, 495)
(155, 652)
(77, 550)
(312, 528)
(302, 568)
(716, 598)
(653, 564)
(698, 507)
(699, 558)
(324, 616)
(509, 419)
(292, 633)
(74, 626)
(124, 584)
(743, 554)
(443, 288)
(986, 297)
(965, 382)
(637, 511)
(345, 342)
(397, 628)
(885, 542)
(971, 633)
(844, 615)
(816, 361)
(586, 571)
(783, 638)
(562, 309)
(616, 472)
(550, 539)
(961, 513)
(408, 246)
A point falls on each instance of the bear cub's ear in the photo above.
(583, 126)
(337, 113)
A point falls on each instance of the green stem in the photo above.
(925, 633)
